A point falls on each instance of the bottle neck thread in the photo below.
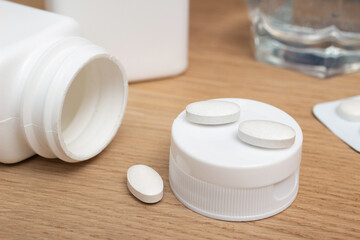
(74, 99)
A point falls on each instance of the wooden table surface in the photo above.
(51, 199)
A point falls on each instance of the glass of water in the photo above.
(316, 37)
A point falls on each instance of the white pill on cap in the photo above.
(349, 109)
(266, 134)
(212, 112)
(145, 183)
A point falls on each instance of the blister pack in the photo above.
(342, 117)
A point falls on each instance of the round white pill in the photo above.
(145, 183)
(212, 112)
(349, 109)
(266, 134)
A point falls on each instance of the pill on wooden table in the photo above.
(145, 183)
(266, 134)
(212, 112)
(349, 109)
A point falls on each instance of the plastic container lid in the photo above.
(217, 175)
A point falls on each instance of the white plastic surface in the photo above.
(212, 112)
(145, 183)
(349, 109)
(343, 125)
(61, 96)
(149, 37)
(266, 134)
(232, 204)
(216, 174)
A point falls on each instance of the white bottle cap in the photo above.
(214, 173)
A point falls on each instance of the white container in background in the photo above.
(150, 37)
(60, 95)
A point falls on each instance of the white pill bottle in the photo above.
(60, 95)
(150, 37)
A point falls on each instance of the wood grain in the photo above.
(50, 199)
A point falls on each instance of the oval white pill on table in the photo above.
(145, 183)
(212, 112)
(266, 134)
(349, 109)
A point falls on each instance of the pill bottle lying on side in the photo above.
(61, 96)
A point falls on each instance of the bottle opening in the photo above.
(93, 108)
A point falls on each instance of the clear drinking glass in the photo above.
(316, 37)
